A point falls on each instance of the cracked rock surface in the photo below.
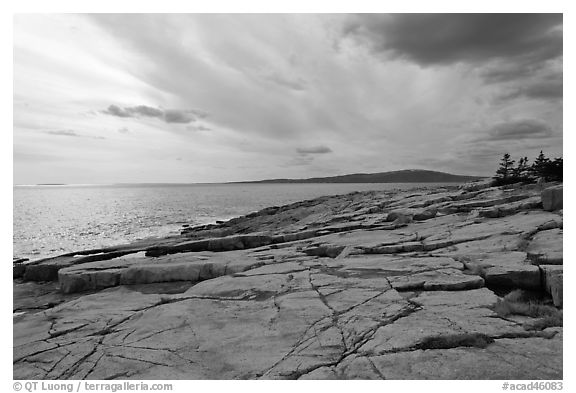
(371, 285)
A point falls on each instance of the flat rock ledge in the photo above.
(368, 285)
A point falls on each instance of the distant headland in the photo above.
(403, 176)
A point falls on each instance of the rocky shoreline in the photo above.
(458, 282)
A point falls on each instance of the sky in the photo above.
(120, 98)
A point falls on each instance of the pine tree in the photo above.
(505, 171)
(539, 167)
(521, 170)
(554, 170)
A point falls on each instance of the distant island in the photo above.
(404, 176)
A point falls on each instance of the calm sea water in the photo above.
(50, 220)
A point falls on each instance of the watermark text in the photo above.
(87, 386)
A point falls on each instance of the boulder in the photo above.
(552, 198)
(553, 282)
(546, 247)
(504, 269)
(513, 276)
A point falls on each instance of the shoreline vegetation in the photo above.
(452, 282)
(542, 169)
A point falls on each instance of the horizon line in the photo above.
(239, 181)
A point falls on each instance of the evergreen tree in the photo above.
(539, 167)
(553, 170)
(521, 170)
(543, 167)
(505, 171)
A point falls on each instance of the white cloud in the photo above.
(285, 85)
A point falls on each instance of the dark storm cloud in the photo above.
(518, 130)
(432, 39)
(507, 72)
(314, 150)
(547, 89)
(167, 115)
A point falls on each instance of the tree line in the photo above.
(542, 168)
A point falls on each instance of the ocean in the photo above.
(51, 220)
